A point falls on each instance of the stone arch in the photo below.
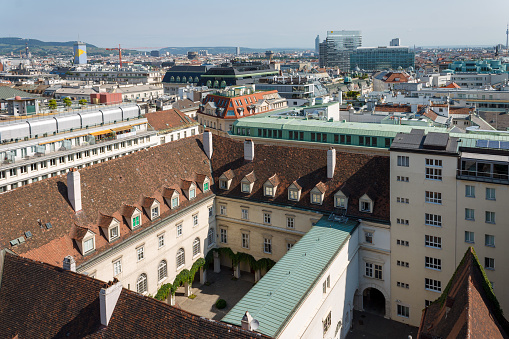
(359, 293)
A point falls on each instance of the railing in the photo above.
(483, 176)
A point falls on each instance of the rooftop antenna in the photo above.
(507, 37)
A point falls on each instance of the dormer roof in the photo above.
(321, 187)
(105, 220)
(229, 174)
(128, 210)
(296, 185)
(250, 177)
(169, 192)
(274, 180)
(81, 232)
(186, 184)
(200, 177)
(148, 202)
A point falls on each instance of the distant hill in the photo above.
(225, 50)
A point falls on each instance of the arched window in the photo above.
(162, 270)
(196, 246)
(178, 79)
(210, 237)
(180, 258)
(172, 79)
(216, 84)
(141, 284)
(209, 83)
(223, 84)
(196, 79)
(184, 79)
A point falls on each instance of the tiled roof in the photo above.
(106, 189)
(186, 105)
(461, 110)
(467, 308)
(453, 85)
(355, 174)
(80, 233)
(274, 180)
(38, 300)
(229, 174)
(393, 108)
(169, 119)
(147, 202)
(251, 177)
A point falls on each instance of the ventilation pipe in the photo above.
(74, 189)
(207, 143)
(331, 162)
(248, 150)
(108, 297)
(69, 264)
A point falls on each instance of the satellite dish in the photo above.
(254, 324)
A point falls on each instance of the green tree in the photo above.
(67, 101)
(52, 104)
(83, 102)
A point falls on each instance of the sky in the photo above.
(255, 24)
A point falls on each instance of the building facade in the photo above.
(336, 49)
(380, 58)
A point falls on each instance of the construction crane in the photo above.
(119, 49)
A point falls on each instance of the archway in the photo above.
(373, 301)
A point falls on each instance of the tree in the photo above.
(67, 101)
(83, 102)
(52, 104)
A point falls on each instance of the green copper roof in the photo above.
(274, 299)
(6, 93)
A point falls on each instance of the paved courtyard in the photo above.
(221, 287)
(368, 325)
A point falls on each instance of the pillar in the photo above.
(217, 263)
(236, 271)
(187, 289)
(257, 275)
(171, 299)
(203, 275)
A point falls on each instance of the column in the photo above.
(236, 271)
(257, 275)
(203, 275)
(217, 263)
(187, 289)
(171, 299)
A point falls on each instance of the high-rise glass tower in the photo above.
(336, 49)
(80, 53)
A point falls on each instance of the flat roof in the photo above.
(274, 299)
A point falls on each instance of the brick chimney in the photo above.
(108, 297)
(74, 189)
(331, 162)
(207, 143)
(69, 264)
(249, 150)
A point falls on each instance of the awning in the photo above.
(108, 131)
(49, 142)
(140, 123)
(77, 136)
(120, 129)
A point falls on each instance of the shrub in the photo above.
(220, 304)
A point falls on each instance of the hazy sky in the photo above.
(257, 24)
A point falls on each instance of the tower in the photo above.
(317, 44)
(507, 37)
(80, 53)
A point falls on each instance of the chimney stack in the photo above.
(246, 321)
(331, 162)
(74, 188)
(108, 297)
(207, 143)
(69, 264)
(249, 150)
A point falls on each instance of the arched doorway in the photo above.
(373, 301)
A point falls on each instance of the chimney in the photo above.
(246, 321)
(69, 264)
(207, 143)
(249, 150)
(108, 297)
(331, 162)
(74, 189)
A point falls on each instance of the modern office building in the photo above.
(80, 53)
(395, 42)
(236, 73)
(382, 58)
(336, 49)
(317, 44)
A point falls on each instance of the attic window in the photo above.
(340, 202)
(192, 193)
(155, 212)
(136, 221)
(269, 191)
(316, 198)
(88, 245)
(366, 206)
(223, 184)
(293, 195)
(175, 202)
(246, 188)
(205, 187)
(114, 233)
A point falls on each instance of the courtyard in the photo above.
(368, 325)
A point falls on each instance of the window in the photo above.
(373, 268)
(403, 161)
(403, 263)
(117, 267)
(433, 285)
(490, 217)
(23, 169)
(401, 284)
(489, 240)
(316, 198)
(136, 221)
(70, 157)
(141, 284)
(195, 219)
(402, 242)
(155, 212)
(469, 237)
(433, 173)
(269, 191)
(290, 222)
(192, 193)
(140, 253)
(489, 263)
(211, 211)
(246, 188)
(174, 202)
(432, 241)
(179, 229)
(206, 186)
(365, 206)
(210, 237)
(378, 272)
(223, 184)
(433, 197)
(245, 240)
(369, 269)
(196, 247)
(267, 245)
(490, 193)
(44, 164)
(340, 202)
(88, 245)
(470, 191)
(469, 214)
(433, 263)
(162, 270)
(402, 221)
(113, 233)
(289, 246)
(180, 258)
(434, 162)
(224, 235)
(245, 214)
(266, 218)
(293, 195)
(368, 237)
(33, 167)
(403, 311)
(13, 172)
(327, 323)
(433, 220)
(402, 200)
(160, 240)
(222, 209)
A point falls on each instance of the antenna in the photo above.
(507, 37)
(254, 324)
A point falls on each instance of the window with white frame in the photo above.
(162, 270)
(433, 197)
(117, 267)
(245, 240)
(174, 202)
(433, 220)
(222, 209)
(211, 211)
(490, 193)
(403, 311)
(433, 263)
(490, 217)
(246, 187)
(403, 161)
(136, 221)
(432, 241)
(373, 270)
(88, 245)
(469, 237)
(269, 191)
(290, 222)
(160, 240)
(155, 212)
(245, 214)
(223, 235)
(365, 206)
(196, 247)
(326, 323)
(267, 218)
(316, 198)
(114, 233)
(180, 258)
(192, 193)
(195, 219)
(340, 202)
(432, 285)
(293, 195)
(140, 253)
(267, 245)
(141, 284)
(179, 229)
(368, 237)
(489, 240)
(211, 239)
(223, 184)
(489, 263)
(470, 191)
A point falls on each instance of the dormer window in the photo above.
(85, 239)
(114, 233)
(247, 183)
(340, 200)
(366, 204)
(110, 227)
(189, 189)
(88, 245)
(223, 184)
(136, 221)
(270, 186)
(318, 193)
(192, 193)
(205, 186)
(294, 191)
(203, 182)
(154, 212)
(246, 188)
(316, 198)
(174, 202)
(269, 191)
(151, 206)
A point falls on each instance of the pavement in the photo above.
(221, 286)
(367, 325)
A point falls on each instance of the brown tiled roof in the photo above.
(147, 202)
(392, 76)
(105, 220)
(200, 177)
(355, 174)
(169, 119)
(274, 180)
(251, 177)
(168, 192)
(186, 105)
(229, 174)
(453, 85)
(128, 211)
(80, 233)
(393, 108)
(106, 188)
(296, 184)
(461, 110)
(186, 184)
(38, 300)
(321, 187)
(467, 308)
(430, 114)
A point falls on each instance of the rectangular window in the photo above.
(117, 267)
(433, 285)
(195, 219)
(433, 173)
(88, 245)
(222, 209)
(490, 193)
(369, 269)
(433, 197)
(140, 254)
(316, 198)
(245, 240)
(192, 193)
(136, 221)
(433, 263)
(289, 246)
(290, 222)
(433, 220)
(246, 188)
(269, 191)
(326, 323)
(368, 236)
(469, 214)
(490, 217)
(403, 161)
(432, 241)
(224, 235)
(33, 167)
(434, 162)
(489, 240)
(2, 174)
(211, 211)
(365, 206)
(23, 169)
(179, 230)
(469, 237)
(53, 162)
(160, 240)
(222, 184)
(293, 195)
(245, 214)
(489, 263)
(155, 212)
(378, 272)
(403, 311)
(266, 218)
(267, 245)
(174, 202)
(113, 233)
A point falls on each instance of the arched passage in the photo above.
(373, 301)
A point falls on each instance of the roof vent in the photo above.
(108, 297)
(48, 225)
(28, 234)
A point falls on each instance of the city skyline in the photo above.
(110, 25)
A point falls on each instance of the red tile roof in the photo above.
(453, 85)
(168, 120)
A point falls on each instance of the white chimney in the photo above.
(246, 321)
(69, 264)
(108, 297)
(331, 162)
(207, 143)
(74, 189)
(249, 150)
